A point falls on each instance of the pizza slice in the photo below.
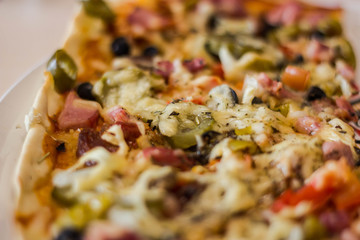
(209, 119)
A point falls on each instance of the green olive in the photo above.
(240, 145)
(236, 46)
(98, 9)
(186, 138)
(63, 197)
(344, 50)
(63, 70)
(313, 229)
(283, 109)
(330, 27)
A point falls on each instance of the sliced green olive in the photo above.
(236, 47)
(255, 62)
(243, 131)
(283, 109)
(82, 213)
(344, 50)
(63, 70)
(330, 27)
(285, 33)
(98, 9)
(240, 145)
(63, 197)
(313, 229)
(186, 138)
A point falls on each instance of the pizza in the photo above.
(194, 119)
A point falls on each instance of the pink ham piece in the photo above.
(108, 231)
(168, 157)
(345, 70)
(285, 14)
(345, 109)
(307, 125)
(336, 150)
(229, 8)
(314, 19)
(194, 65)
(130, 130)
(78, 113)
(164, 69)
(143, 20)
(274, 88)
(318, 52)
(118, 114)
(335, 221)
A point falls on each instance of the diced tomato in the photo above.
(296, 78)
(206, 83)
(308, 193)
(333, 182)
(198, 100)
(349, 196)
(218, 70)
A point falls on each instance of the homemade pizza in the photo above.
(194, 119)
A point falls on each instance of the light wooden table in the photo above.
(30, 31)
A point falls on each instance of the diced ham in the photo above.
(345, 70)
(164, 69)
(168, 157)
(143, 20)
(90, 138)
(318, 52)
(313, 19)
(108, 231)
(229, 8)
(118, 114)
(130, 130)
(320, 104)
(285, 14)
(335, 150)
(345, 109)
(347, 234)
(273, 87)
(307, 125)
(195, 64)
(335, 221)
(78, 113)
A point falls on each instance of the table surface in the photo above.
(30, 31)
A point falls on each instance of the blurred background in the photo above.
(30, 31)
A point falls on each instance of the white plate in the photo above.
(13, 108)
